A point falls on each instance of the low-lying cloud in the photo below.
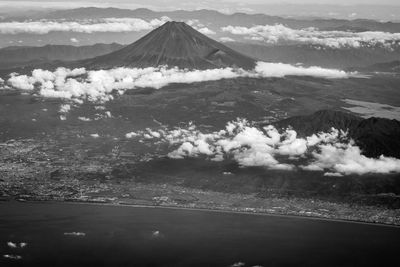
(266, 69)
(275, 34)
(100, 85)
(82, 26)
(332, 152)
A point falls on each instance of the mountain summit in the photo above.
(173, 44)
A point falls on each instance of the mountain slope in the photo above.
(173, 44)
(375, 136)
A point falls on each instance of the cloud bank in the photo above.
(274, 34)
(100, 85)
(83, 26)
(333, 152)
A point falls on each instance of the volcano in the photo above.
(175, 44)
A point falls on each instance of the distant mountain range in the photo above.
(392, 66)
(211, 19)
(19, 56)
(218, 19)
(375, 136)
(173, 44)
(320, 56)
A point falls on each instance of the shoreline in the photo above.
(215, 210)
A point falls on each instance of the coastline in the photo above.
(215, 210)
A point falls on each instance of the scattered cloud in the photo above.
(206, 31)
(156, 233)
(81, 26)
(332, 153)
(195, 23)
(64, 108)
(74, 40)
(192, 22)
(99, 85)
(274, 34)
(131, 135)
(22, 82)
(108, 114)
(13, 257)
(84, 119)
(11, 244)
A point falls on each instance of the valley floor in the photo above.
(34, 171)
(169, 196)
(90, 160)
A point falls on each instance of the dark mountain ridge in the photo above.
(310, 55)
(375, 136)
(391, 66)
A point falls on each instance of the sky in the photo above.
(187, 3)
(343, 9)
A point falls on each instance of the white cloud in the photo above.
(274, 34)
(332, 152)
(156, 234)
(347, 159)
(280, 70)
(82, 26)
(10, 256)
(64, 108)
(192, 22)
(131, 135)
(22, 82)
(99, 85)
(206, 31)
(226, 39)
(84, 119)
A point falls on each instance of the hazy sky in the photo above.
(386, 9)
(185, 3)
